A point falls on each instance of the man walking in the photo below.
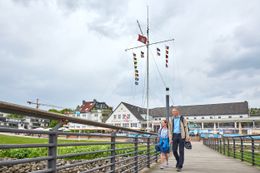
(179, 134)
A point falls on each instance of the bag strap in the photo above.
(182, 120)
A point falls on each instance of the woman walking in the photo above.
(164, 144)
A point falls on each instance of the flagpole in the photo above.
(147, 43)
(147, 89)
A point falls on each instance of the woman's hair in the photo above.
(166, 122)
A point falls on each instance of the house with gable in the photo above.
(129, 116)
(229, 117)
(91, 110)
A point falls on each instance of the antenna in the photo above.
(139, 27)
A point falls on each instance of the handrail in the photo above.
(140, 151)
(28, 111)
(244, 147)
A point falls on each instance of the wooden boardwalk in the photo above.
(202, 159)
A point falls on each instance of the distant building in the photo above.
(127, 115)
(212, 116)
(24, 122)
(91, 110)
(33, 123)
(229, 116)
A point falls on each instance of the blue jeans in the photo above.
(178, 142)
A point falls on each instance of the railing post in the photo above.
(224, 146)
(228, 147)
(113, 152)
(220, 145)
(218, 148)
(234, 148)
(253, 150)
(136, 153)
(148, 152)
(242, 149)
(212, 143)
(156, 153)
(52, 151)
(215, 144)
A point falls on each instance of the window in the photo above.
(125, 124)
(219, 117)
(195, 118)
(84, 115)
(96, 115)
(241, 116)
(229, 116)
(133, 124)
(211, 117)
(202, 117)
(114, 116)
(128, 116)
(117, 124)
(124, 116)
(119, 116)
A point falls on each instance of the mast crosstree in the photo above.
(147, 45)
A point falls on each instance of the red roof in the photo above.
(86, 107)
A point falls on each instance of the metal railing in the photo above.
(130, 152)
(246, 147)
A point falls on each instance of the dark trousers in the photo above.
(178, 142)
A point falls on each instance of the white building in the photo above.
(228, 116)
(93, 111)
(129, 116)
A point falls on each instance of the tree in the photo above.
(15, 116)
(255, 111)
(53, 123)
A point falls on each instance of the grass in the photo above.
(21, 140)
(5, 139)
(247, 155)
(21, 153)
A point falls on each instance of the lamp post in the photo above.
(167, 104)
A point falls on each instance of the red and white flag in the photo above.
(136, 70)
(167, 55)
(142, 38)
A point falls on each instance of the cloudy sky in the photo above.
(66, 51)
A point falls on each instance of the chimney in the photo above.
(83, 102)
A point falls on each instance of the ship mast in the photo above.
(148, 44)
(147, 73)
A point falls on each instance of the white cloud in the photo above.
(65, 51)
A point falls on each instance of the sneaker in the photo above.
(161, 167)
(178, 169)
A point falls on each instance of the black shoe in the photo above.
(178, 169)
(177, 165)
